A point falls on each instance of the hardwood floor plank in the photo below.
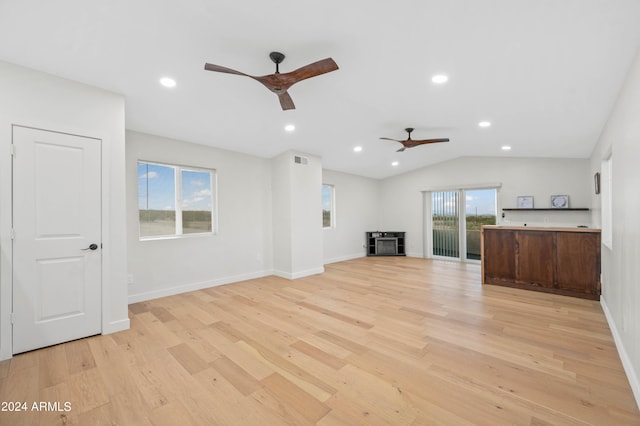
(387, 340)
(291, 371)
(336, 315)
(53, 366)
(188, 358)
(79, 356)
(88, 391)
(319, 355)
(308, 406)
(240, 379)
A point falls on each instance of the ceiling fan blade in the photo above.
(389, 139)
(410, 143)
(423, 141)
(285, 101)
(402, 149)
(218, 68)
(312, 70)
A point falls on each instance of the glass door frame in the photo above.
(462, 227)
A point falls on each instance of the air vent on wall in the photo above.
(300, 160)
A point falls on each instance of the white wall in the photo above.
(306, 217)
(281, 196)
(401, 199)
(620, 265)
(357, 208)
(243, 245)
(31, 98)
(297, 215)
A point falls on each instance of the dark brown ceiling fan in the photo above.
(280, 83)
(410, 143)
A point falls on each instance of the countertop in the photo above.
(540, 228)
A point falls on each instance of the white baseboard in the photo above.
(344, 258)
(115, 326)
(5, 354)
(416, 254)
(632, 376)
(171, 291)
(301, 274)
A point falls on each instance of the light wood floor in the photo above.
(371, 341)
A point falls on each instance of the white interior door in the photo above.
(56, 247)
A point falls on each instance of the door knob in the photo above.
(91, 247)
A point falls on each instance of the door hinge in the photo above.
(13, 234)
(12, 148)
(13, 318)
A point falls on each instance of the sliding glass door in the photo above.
(445, 220)
(480, 210)
(455, 227)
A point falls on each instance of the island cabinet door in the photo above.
(535, 262)
(499, 257)
(578, 260)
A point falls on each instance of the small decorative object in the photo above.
(560, 201)
(525, 202)
(596, 182)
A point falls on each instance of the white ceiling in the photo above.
(544, 72)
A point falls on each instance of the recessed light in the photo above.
(439, 79)
(357, 148)
(168, 82)
(506, 148)
(484, 124)
(395, 163)
(289, 128)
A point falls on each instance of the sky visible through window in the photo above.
(156, 188)
(326, 197)
(478, 202)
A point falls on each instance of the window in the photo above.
(174, 200)
(328, 206)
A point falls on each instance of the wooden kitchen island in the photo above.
(554, 260)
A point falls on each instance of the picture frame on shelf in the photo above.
(525, 202)
(560, 201)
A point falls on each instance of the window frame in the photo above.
(332, 207)
(179, 198)
(606, 200)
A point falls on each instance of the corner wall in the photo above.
(35, 99)
(357, 212)
(620, 266)
(242, 248)
(297, 215)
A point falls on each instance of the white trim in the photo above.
(427, 233)
(415, 254)
(301, 274)
(115, 326)
(495, 185)
(633, 378)
(344, 258)
(185, 288)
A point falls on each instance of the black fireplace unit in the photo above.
(385, 244)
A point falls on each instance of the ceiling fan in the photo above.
(410, 143)
(280, 83)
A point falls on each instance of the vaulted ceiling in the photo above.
(545, 73)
